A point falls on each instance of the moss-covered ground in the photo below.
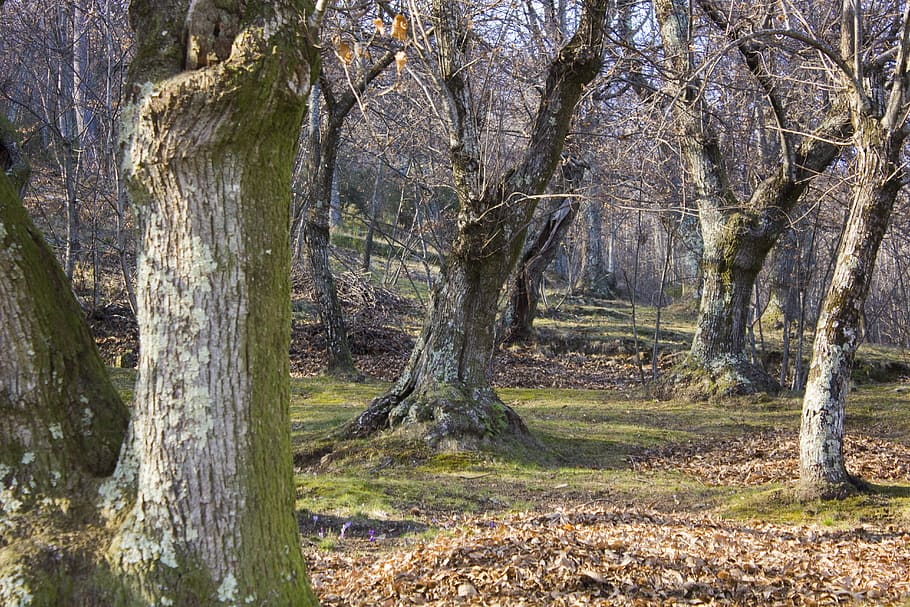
(589, 439)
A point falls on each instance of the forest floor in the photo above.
(631, 500)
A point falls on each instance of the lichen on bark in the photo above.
(207, 153)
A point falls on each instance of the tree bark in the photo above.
(737, 235)
(61, 420)
(542, 251)
(208, 143)
(822, 471)
(444, 394)
(318, 197)
(880, 130)
(316, 235)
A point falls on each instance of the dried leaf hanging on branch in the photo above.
(344, 51)
(380, 26)
(400, 60)
(400, 28)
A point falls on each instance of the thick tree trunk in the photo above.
(444, 394)
(61, 421)
(525, 293)
(822, 473)
(208, 149)
(737, 235)
(61, 416)
(730, 263)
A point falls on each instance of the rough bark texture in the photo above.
(59, 414)
(837, 335)
(526, 286)
(737, 235)
(61, 421)
(879, 132)
(444, 394)
(208, 144)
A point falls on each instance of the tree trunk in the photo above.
(595, 278)
(444, 394)
(316, 234)
(322, 211)
(730, 263)
(208, 149)
(61, 421)
(373, 218)
(525, 293)
(70, 127)
(737, 235)
(822, 473)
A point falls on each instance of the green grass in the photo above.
(588, 437)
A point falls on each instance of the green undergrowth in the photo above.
(394, 487)
(587, 438)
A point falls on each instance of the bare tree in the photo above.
(879, 116)
(540, 251)
(738, 232)
(445, 391)
(341, 90)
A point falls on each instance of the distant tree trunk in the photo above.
(316, 236)
(525, 293)
(783, 298)
(374, 217)
(880, 131)
(217, 99)
(444, 393)
(595, 278)
(70, 122)
(737, 235)
(321, 202)
(61, 421)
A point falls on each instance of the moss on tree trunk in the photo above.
(208, 144)
(62, 422)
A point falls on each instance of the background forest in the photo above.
(570, 283)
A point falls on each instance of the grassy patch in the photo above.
(588, 438)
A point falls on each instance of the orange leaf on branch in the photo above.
(400, 28)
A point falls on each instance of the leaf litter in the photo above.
(771, 456)
(607, 556)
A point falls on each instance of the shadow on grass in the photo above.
(580, 452)
(331, 526)
(890, 490)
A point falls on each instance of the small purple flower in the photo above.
(492, 525)
(344, 529)
(372, 535)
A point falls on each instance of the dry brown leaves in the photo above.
(767, 457)
(623, 557)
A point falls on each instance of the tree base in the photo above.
(830, 490)
(720, 378)
(345, 373)
(446, 418)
